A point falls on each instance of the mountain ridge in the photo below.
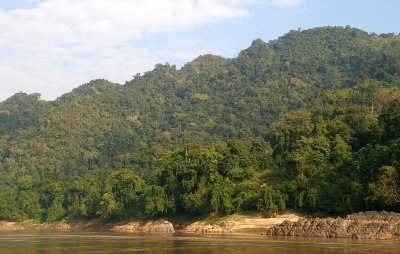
(309, 102)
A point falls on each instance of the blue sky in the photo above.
(52, 46)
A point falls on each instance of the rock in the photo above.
(131, 227)
(149, 227)
(156, 227)
(204, 228)
(363, 225)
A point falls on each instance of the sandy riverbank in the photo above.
(232, 224)
(363, 225)
(28, 225)
(238, 224)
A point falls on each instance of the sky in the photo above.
(53, 46)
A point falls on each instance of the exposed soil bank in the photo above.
(238, 224)
(363, 225)
(93, 225)
(20, 226)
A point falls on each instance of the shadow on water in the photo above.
(86, 242)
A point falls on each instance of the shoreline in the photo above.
(362, 225)
(235, 224)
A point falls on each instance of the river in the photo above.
(109, 242)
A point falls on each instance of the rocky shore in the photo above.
(362, 225)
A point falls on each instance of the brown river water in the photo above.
(109, 242)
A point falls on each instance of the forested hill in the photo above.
(309, 121)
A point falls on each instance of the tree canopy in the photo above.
(310, 121)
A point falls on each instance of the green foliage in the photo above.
(157, 202)
(56, 211)
(386, 188)
(221, 196)
(108, 207)
(121, 194)
(272, 201)
(83, 196)
(309, 121)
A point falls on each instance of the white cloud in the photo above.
(279, 3)
(287, 3)
(59, 44)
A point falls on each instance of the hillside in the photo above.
(308, 121)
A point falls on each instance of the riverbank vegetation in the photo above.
(310, 122)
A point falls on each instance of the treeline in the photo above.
(223, 178)
(317, 161)
(308, 121)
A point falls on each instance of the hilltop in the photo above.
(307, 121)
